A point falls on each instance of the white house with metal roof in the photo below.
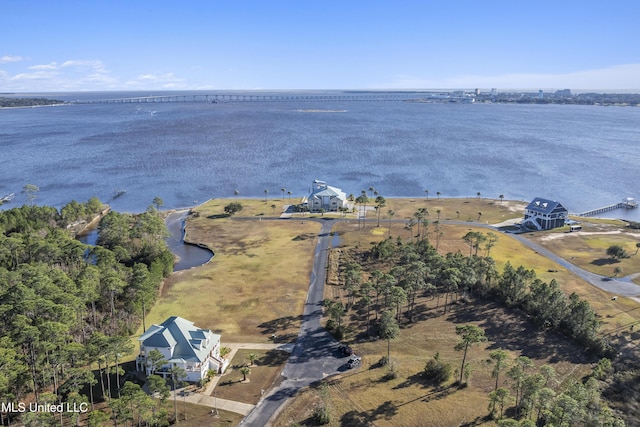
(184, 345)
(544, 214)
(326, 197)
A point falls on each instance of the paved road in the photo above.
(617, 286)
(314, 356)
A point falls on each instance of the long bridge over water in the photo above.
(221, 98)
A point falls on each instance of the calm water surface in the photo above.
(582, 156)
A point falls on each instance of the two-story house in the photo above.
(184, 345)
(325, 197)
(543, 214)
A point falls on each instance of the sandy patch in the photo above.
(555, 236)
(514, 206)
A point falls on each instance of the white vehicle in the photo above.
(354, 361)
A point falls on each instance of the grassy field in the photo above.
(265, 372)
(587, 248)
(365, 396)
(257, 282)
(191, 415)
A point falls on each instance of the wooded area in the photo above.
(68, 307)
(394, 277)
(27, 102)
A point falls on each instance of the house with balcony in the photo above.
(544, 214)
(182, 344)
(326, 198)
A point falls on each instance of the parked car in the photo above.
(345, 350)
(354, 361)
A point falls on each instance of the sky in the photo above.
(69, 45)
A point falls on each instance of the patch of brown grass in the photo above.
(587, 248)
(366, 396)
(614, 314)
(198, 415)
(264, 374)
(459, 209)
(259, 275)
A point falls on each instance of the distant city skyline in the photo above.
(287, 45)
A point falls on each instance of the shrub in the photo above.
(392, 372)
(321, 415)
(233, 208)
(384, 361)
(616, 252)
(437, 371)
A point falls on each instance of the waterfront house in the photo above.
(325, 197)
(184, 345)
(543, 214)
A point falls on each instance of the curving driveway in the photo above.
(617, 286)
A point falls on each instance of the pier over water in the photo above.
(628, 203)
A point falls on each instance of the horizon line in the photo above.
(417, 90)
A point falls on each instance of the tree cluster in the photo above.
(385, 281)
(539, 399)
(27, 102)
(66, 305)
(408, 268)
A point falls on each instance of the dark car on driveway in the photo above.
(345, 350)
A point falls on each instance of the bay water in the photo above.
(188, 152)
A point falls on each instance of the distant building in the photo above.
(543, 214)
(564, 93)
(324, 197)
(540, 94)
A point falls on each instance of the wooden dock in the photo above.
(628, 203)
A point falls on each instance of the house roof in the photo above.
(327, 192)
(189, 341)
(321, 189)
(544, 206)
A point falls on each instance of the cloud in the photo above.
(80, 65)
(50, 66)
(70, 75)
(79, 75)
(611, 78)
(44, 74)
(7, 58)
